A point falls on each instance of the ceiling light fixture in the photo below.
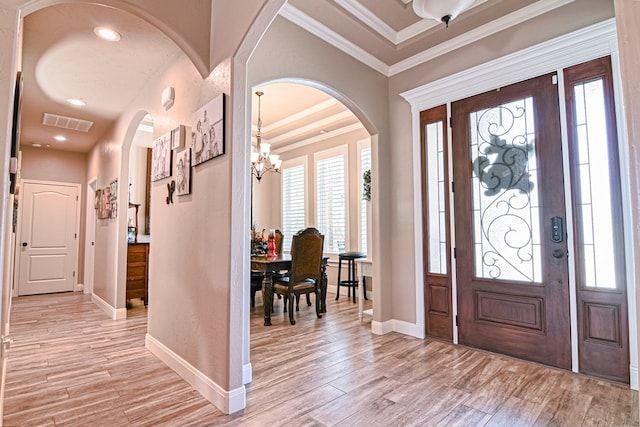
(60, 138)
(439, 10)
(77, 102)
(261, 159)
(36, 145)
(106, 33)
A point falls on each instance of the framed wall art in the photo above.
(207, 131)
(161, 157)
(179, 136)
(183, 172)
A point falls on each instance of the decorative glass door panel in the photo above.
(511, 265)
(506, 229)
(435, 208)
(603, 330)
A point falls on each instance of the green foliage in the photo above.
(366, 185)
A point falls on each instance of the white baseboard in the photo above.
(247, 373)
(633, 377)
(400, 326)
(113, 313)
(227, 401)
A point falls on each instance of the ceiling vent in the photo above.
(66, 122)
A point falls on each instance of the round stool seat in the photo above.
(352, 281)
(351, 255)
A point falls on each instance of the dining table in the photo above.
(270, 264)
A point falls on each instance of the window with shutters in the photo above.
(293, 201)
(331, 198)
(365, 165)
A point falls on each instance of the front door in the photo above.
(511, 249)
(47, 244)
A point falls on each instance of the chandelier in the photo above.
(441, 10)
(261, 159)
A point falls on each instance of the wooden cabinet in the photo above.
(138, 272)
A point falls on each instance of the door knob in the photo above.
(558, 253)
(24, 244)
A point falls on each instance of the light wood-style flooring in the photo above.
(70, 365)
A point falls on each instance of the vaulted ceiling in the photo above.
(63, 59)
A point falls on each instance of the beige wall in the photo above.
(267, 211)
(561, 21)
(627, 18)
(289, 52)
(60, 166)
(189, 251)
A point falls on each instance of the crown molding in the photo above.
(321, 31)
(533, 10)
(303, 20)
(334, 133)
(301, 115)
(310, 127)
(570, 49)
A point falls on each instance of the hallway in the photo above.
(72, 366)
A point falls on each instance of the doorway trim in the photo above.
(17, 248)
(90, 236)
(574, 48)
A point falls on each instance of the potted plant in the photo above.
(366, 185)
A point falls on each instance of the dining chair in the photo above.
(305, 273)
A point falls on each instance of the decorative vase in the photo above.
(272, 245)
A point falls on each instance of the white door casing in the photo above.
(48, 240)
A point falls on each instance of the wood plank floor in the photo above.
(72, 366)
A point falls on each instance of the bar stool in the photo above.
(352, 278)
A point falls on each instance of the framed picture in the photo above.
(161, 157)
(104, 210)
(208, 139)
(98, 198)
(183, 172)
(179, 136)
(114, 189)
(113, 199)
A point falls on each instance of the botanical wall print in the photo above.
(104, 210)
(183, 172)
(208, 137)
(113, 199)
(161, 157)
(98, 198)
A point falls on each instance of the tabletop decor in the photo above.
(259, 243)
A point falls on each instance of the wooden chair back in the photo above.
(278, 238)
(306, 256)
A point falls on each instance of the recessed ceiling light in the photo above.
(77, 102)
(35, 144)
(60, 138)
(107, 34)
(48, 145)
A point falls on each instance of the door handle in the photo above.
(558, 253)
(24, 244)
(557, 229)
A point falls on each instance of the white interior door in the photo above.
(48, 249)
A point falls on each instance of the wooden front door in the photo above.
(48, 249)
(511, 249)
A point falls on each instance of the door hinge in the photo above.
(554, 79)
(457, 324)
(451, 122)
(453, 187)
(77, 198)
(75, 235)
(74, 274)
(455, 253)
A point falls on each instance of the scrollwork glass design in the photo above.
(504, 190)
